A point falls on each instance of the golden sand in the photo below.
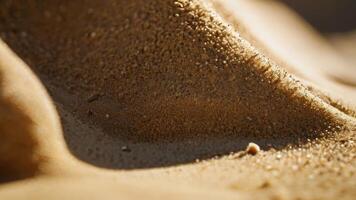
(159, 99)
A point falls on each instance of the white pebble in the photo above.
(252, 149)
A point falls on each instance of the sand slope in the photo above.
(147, 84)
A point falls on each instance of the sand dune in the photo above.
(157, 84)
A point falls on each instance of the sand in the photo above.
(159, 99)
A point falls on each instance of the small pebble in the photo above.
(93, 97)
(252, 149)
(125, 149)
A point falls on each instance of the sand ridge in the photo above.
(184, 69)
(169, 77)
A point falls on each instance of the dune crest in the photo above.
(166, 68)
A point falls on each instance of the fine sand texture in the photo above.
(158, 99)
